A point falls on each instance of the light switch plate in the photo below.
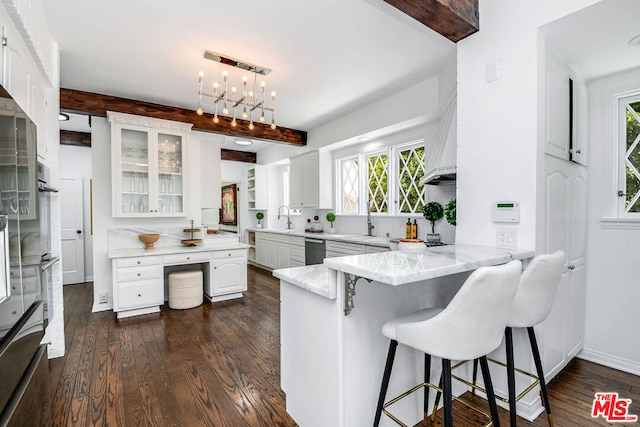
(507, 237)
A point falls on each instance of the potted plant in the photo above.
(259, 217)
(331, 217)
(450, 211)
(432, 212)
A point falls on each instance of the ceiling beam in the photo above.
(454, 19)
(98, 105)
(79, 139)
(237, 156)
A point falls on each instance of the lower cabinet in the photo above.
(138, 286)
(229, 275)
(267, 249)
(338, 249)
(297, 252)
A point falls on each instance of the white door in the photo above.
(72, 230)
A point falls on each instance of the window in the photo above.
(629, 116)
(390, 181)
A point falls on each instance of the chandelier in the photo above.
(246, 102)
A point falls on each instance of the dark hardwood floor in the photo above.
(219, 365)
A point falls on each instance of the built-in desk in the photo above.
(140, 277)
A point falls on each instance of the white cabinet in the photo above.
(148, 166)
(297, 252)
(338, 249)
(229, 275)
(257, 187)
(562, 334)
(306, 188)
(556, 106)
(284, 251)
(267, 249)
(138, 286)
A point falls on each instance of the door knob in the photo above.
(78, 231)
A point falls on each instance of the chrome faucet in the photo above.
(288, 217)
(370, 226)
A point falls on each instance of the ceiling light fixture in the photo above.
(248, 101)
(243, 141)
(63, 117)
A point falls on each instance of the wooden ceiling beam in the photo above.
(238, 156)
(454, 19)
(79, 139)
(98, 105)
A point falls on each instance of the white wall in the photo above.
(612, 283)
(102, 213)
(76, 162)
(499, 123)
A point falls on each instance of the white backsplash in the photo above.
(127, 238)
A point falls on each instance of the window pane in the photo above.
(350, 186)
(377, 174)
(632, 158)
(410, 170)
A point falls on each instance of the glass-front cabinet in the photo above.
(148, 158)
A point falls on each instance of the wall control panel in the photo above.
(506, 211)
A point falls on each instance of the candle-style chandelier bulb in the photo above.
(199, 111)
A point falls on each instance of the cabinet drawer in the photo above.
(232, 253)
(283, 238)
(138, 273)
(267, 236)
(297, 241)
(296, 263)
(140, 294)
(345, 248)
(297, 254)
(186, 258)
(27, 271)
(29, 285)
(133, 262)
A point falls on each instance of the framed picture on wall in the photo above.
(229, 212)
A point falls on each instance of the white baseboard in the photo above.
(611, 361)
(101, 307)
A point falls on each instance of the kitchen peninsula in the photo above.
(332, 348)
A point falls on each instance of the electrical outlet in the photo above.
(102, 298)
(164, 231)
(507, 237)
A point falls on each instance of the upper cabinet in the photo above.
(306, 188)
(565, 111)
(148, 166)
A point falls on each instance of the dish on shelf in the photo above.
(148, 240)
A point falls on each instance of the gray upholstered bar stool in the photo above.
(470, 327)
(531, 306)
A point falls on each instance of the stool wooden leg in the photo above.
(511, 375)
(427, 374)
(491, 398)
(385, 381)
(538, 362)
(446, 391)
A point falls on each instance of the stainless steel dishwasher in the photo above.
(314, 251)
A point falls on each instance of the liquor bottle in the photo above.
(408, 229)
(414, 230)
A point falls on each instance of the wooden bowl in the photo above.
(148, 240)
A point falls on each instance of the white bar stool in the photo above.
(531, 306)
(470, 327)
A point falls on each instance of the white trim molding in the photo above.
(614, 362)
(620, 223)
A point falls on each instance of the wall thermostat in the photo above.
(506, 211)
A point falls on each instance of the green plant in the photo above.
(331, 217)
(450, 211)
(432, 212)
(259, 216)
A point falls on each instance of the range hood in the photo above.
(441, 166)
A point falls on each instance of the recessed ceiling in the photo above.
(327, 58)
(595, 40)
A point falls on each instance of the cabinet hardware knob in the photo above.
(139, 274)
(578, 151)
(188, 258)
(139, 295)
(78, 231)
(572, 267)
(138, 262)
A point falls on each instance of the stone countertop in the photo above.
(399, 268)
(348, 238)
(168, 250)
(314, 278)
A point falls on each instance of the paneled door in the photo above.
(72, 230)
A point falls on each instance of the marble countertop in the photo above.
(314, 278)
(399, 268)
(348, 238)
(167, 250)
